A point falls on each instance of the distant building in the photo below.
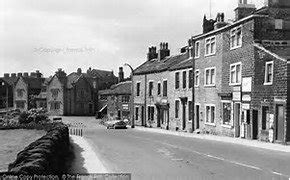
(6, 90)
(118, 100)
(26, 89)
(76, 93)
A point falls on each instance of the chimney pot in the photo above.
(6, 75)
(79, 71)
(19, 74)
(13, 74)
(25, 74)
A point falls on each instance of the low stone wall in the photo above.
(45, 156)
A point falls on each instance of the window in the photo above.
(54, 93)
(209, 114)
(209, 77)
(82, 93)
(103, 97)
(177, 80)
(197, 49)
(236, 38)
(125, 99)
(138, 89)
(269, 73)
(189, 110)
(227, 109)
(210, 46)
(159, 88)
(184, 79)
(235, 73)
(176, 109)
(55, 106)
(136, 113)
(265, 115)
(150, 88)
(190, 51)
(196, 80)
(190, 79)
(165, 88)
(20, 92)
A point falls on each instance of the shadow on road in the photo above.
(75, 163)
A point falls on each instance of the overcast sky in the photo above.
(49, 34)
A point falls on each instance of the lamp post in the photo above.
(132, 96)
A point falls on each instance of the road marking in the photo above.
(213, 157)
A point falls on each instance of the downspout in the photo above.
(193, 84)
(145, 102)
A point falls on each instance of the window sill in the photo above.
(235, 47)
(208, 55)
(210, 124)
(209, 86)
(235, 84)
(227, 126)
(196, 57)
(268, 84)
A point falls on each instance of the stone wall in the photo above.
(46, 155)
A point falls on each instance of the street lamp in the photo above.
(132, 96)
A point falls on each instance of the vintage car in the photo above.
(116, 124)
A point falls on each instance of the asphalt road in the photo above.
(150, 155)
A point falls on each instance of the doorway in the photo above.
(183, 116)
(279, 122)
(255, 124)
(237, 118)
(197, 116)
(142, 116)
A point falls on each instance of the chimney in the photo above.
(33, 74)
(6, 75)
(19, 74)
(163, 51)
(220, 21)
(244, 9)
(79, 71)
(25, 74)
(38, 74)
(121, 74)
(13, 74)
(208, 25)
(152, 54)
(61, 75)
(183, 49)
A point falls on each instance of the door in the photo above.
(197, 116)
(142, 116)
(237, 118)
(183, 116)
(119, 114)
(279, 122)
(255, 124)
(158, 117)
(90, 109)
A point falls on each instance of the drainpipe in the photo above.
(193, 83)
(145, 101)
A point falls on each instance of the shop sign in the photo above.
(246, 97)
(125, 106)
(236, 96)
(246, 106)
(247, 84)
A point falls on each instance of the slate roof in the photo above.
(10, 80)
(117, 89)
(187, 63)
(34, 83)
(72, 78)
(100, 73)
(154, 66)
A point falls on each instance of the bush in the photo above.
(23, 118)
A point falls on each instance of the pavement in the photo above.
(159, 155)
(240, 141)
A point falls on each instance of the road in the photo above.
(150, 155)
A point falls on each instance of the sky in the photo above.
(103, 34)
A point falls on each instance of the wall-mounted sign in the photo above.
(247, 84)
(246, 106)
(236, 96)
(125, 106)
(246, 97)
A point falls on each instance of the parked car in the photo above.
(116, 124)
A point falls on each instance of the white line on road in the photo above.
(211, 156)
